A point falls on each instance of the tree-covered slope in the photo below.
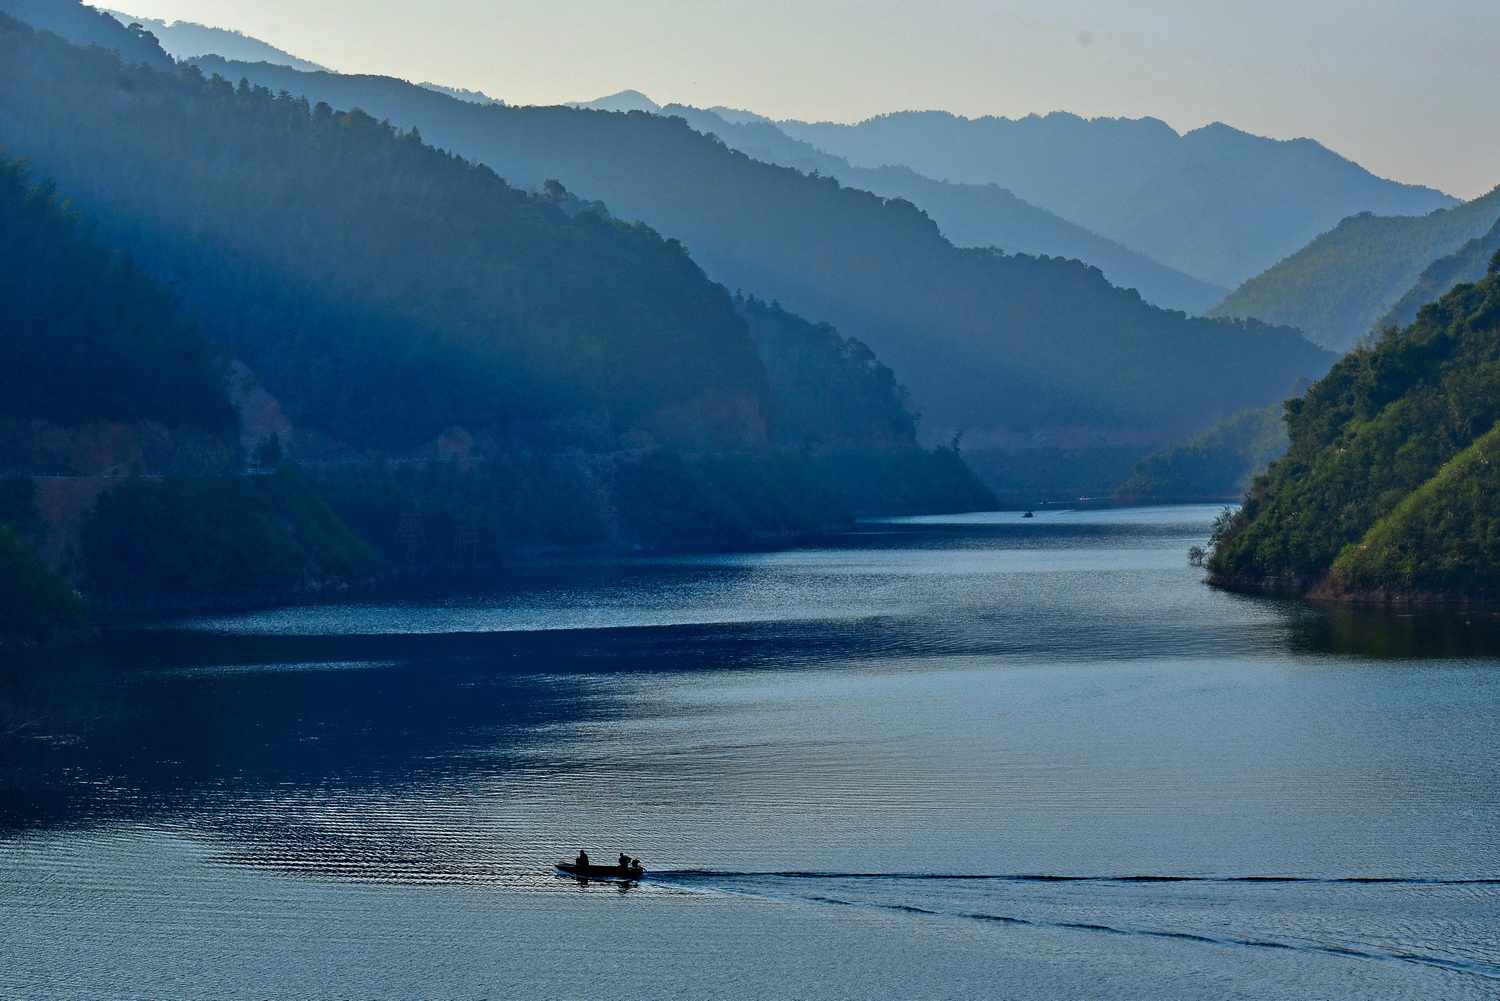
(1443, 539)
(85, 334)
(84, 25)
(969, 215)
(384, 290)
(829, 392)
(1340, 284)
(1217, 464)
(1217, 203)
(1468, 263)
(834, 401)
(1002, 346)
(1370, 469)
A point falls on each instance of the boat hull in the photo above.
(614, 872)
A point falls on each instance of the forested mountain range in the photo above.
(184, 39)
(384, 290)
(969, 215)
(1012, 348)
(395, 303)
(1387, 491)
(1341, 284)
(1217, 203)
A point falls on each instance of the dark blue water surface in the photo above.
(967, 757)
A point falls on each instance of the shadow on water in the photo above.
(1383, 634)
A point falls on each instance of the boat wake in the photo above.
(805, 887)
(696, 874)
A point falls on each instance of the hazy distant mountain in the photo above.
(1017, 350)
(625, 100)
(476, 96)
(184, 39)
(970, 215)
(1216, 203)
(1339, 285)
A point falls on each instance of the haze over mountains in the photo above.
(1013, 350)
(1342, 284)
(184, 39)
(1216, 203)
(1026, 354)
(969, 215)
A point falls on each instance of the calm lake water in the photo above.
(965, 757)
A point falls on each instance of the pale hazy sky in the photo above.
(1409, 89)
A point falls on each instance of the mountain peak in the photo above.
(625, 100)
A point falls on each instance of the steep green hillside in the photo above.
(970, 215)
(1216, 464)
(383, 290)
(1338, 286)
(1468, 263)
(1002, 346)
(1383, 481)
(1442, 539)
(1217, 203)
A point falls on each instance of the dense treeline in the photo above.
(1000, 345)
(1216, 464)
(207, 540)
(1386, 483)
(84, 333)
(383, 290)
(1339, 285)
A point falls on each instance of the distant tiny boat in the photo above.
(622, 872)
(1028, 514)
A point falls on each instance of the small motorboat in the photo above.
(1028, 514)
(616, 872)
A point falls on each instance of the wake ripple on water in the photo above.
(793, 886)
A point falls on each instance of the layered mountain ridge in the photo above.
(1216, 203)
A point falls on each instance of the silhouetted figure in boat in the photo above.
(582, 861)
(624, 861)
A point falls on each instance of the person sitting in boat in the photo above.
(582, 861)
(624, 861)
